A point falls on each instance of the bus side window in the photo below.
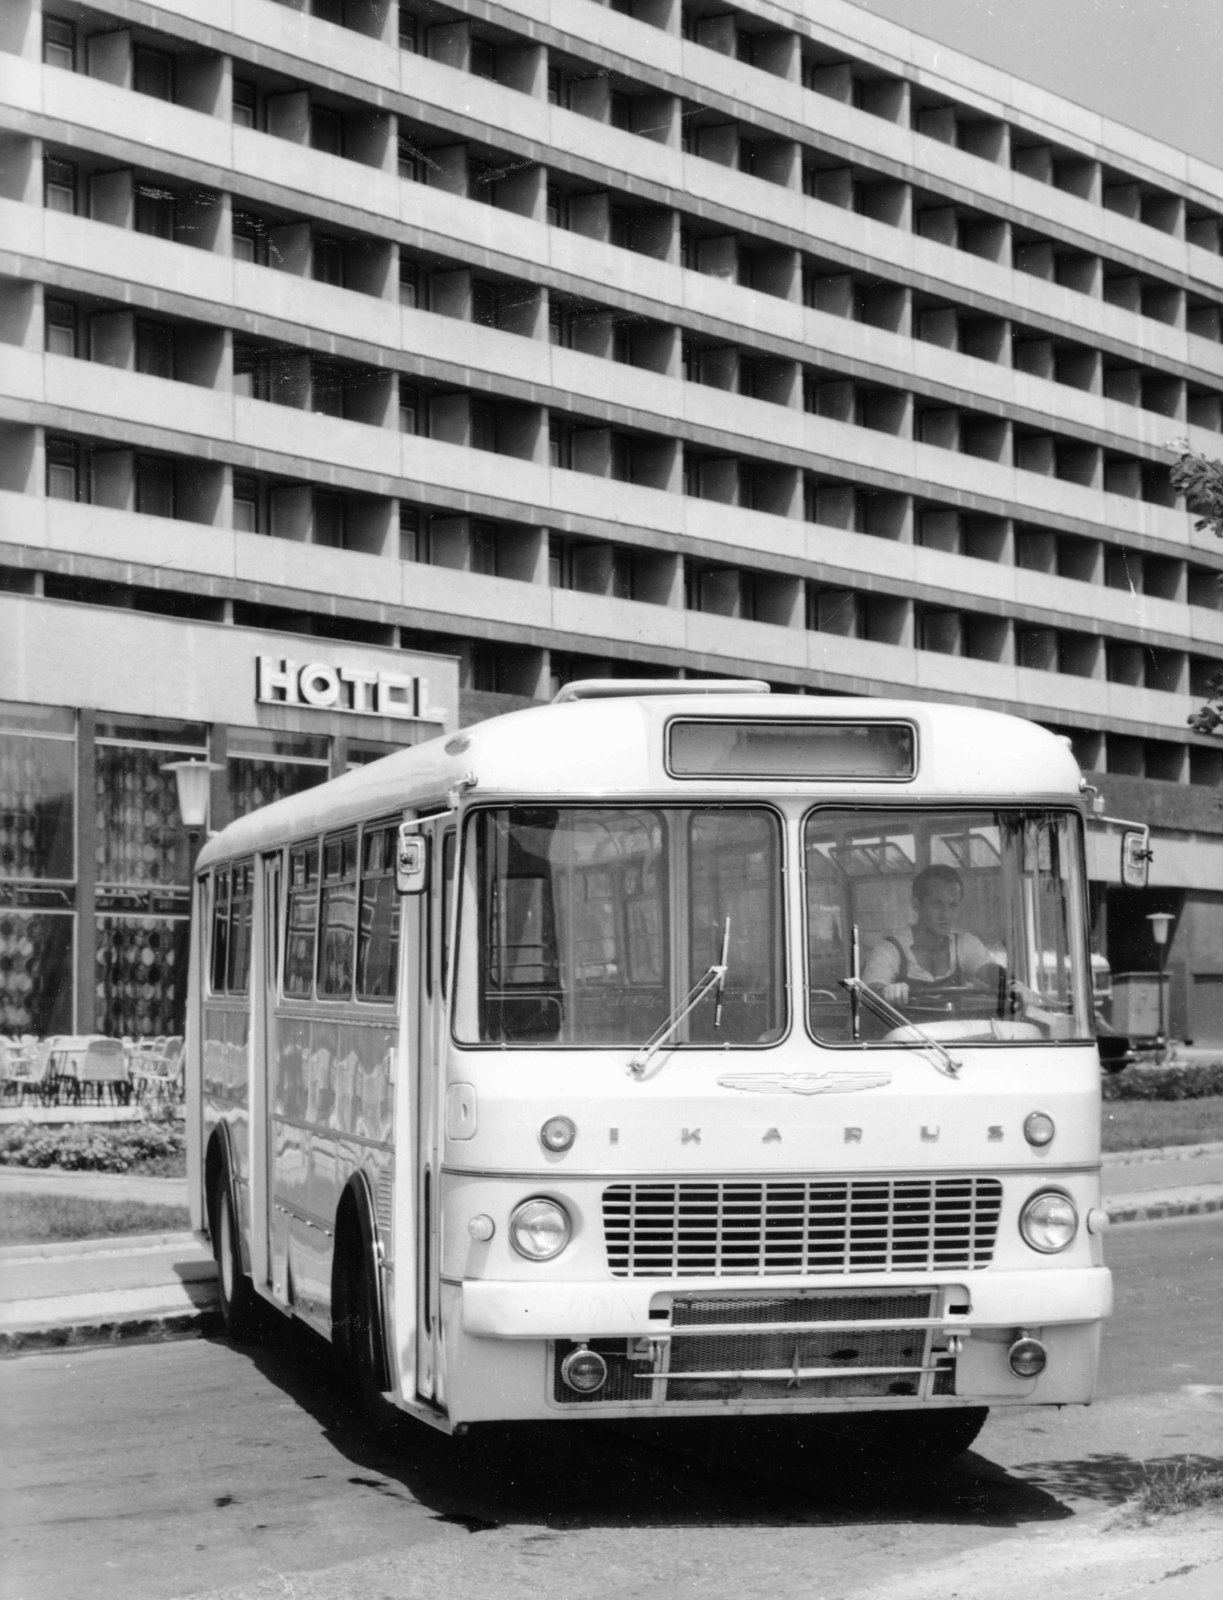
(338, 918)
(300, 922)
(449, 851)
(378, 933)
(242, 891)
(220, 929)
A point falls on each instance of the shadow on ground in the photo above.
(575, 1475)
(1112, 1478)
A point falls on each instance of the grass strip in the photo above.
(56, 1218)
(1151, 1124)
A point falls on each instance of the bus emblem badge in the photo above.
(804, 1082)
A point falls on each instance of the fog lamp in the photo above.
(1038, 1129)
(558, 1134)
(1049, 1222)
(584, 1370)
(481, 1228)
(539, 1229)
(1027, 1356)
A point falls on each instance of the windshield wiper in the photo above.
(712, 979)
(884, 1009)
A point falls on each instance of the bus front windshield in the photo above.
(964, 925)
(588, 926)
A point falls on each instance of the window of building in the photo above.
(245, 104)
(63, 470)
(329, 520)
(621, 110)
(37, 868)
(557, 208)
(483, 59)
(252, 375)
(409, 408)
(153, 73)
(155, 349)
(154, 211)
(326, 131)
(560, 443)
(265, 765)
(409, 31)
(59, 327)
(154, 486)
(246, 512)
(58, 43)
(410, 288)
(327, 260)
(250, 238)
(59, 185)
(140, 838)
(411, 161)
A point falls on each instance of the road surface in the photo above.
(149, 1472)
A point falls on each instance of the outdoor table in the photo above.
(81, 1060)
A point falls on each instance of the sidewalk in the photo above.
(101, 1291)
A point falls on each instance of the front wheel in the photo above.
(359, 1340)
(241, 1308)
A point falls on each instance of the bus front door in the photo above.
(436, 917)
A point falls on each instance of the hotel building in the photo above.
(367, 367)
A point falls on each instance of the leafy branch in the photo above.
(1199, 482)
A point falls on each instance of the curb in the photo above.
(117, 1244)
(200, 1324)
(1120, 1210)
(1167, 1152)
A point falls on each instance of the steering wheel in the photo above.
(963, 999)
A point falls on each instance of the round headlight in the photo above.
(539, 1229)
(558, 1134)
(1027, 1357)
(585, 1371)
(1038, 1129)
(1049, 1222)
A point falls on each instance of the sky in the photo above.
(1156, 65)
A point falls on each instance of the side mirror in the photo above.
(1135, 858)
(411, 860)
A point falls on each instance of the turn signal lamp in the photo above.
(539, 1229)
(1049, 1222)
(481, 1228)
(584, 1370)
(558, 1134)
(1027, 1356)
(1038, 1129)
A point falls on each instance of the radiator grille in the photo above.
(735, 1229)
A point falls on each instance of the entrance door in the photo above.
(436, 916)
(275, 1221)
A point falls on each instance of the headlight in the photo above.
(539, 1229)
(1049, 1222)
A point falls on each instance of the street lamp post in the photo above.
(1160, 922)
(194, 782)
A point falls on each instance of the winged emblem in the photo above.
(804, 1082)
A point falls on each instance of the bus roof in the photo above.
(614, 746)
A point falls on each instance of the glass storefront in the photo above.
(267, 765)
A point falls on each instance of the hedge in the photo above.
(1193, 1082)
(86, 1147)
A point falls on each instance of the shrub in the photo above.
(90, 1147)
(1193, 1082)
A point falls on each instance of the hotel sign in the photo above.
(320, 687)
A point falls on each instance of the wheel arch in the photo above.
(357, 1244)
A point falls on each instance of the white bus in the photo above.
(603, 1060)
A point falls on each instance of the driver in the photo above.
(933, 953)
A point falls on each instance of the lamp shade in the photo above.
(194, 780)
(1160, 922)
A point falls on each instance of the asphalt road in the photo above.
(189, 1469)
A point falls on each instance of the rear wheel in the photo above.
(241, 1307)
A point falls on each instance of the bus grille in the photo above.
(738, 1229)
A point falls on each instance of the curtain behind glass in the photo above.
(37, 786)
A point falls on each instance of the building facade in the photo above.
(572, 340)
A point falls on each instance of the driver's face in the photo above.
(938, 908)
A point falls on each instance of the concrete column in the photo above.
(941, 427)
(450, 418)
(1033, 161)
(376, 19)
(939, 223)
(1081, 655)
(21, 314)
(779, 53)
(592, 451)
(1082, 176)
(884, 514)
(780, 600)
(987, 338)
(990, 239)
(594, 334)
(524, 67)
(450, 43)
(989, 639)
(836, 611)
(778, 491)
(719, 480)
(719, 367)
(204, 221)
(991, 141)
(112, 339)
(19, 30)
(885, 305)
(1084, 274)
(718, 33)
(836, 82)
(658, 117)
(114, 479)
(664, 14)
(371, 266)
(522, 431)
(1035, 356)
(780, 161)
(450, 293)
(1124, 478)
(525, 192)
(204, 83)
(835, 187)
(372, 138)
(658, 347)
(719, 143)
(288, 116)
(991, 438)
(200, 492)
(989, 538)
(450, 542)
(590, 215)
(833, 293)
(1035, 258)
(940, 530)
(446, 168)
(833, 398)
(1036, 550)
(109, 56)
(942, 632)
(1036, 648)
(890, 202)
(937, 122)
(779, 381)
(1036, 453)
(203, 356)
(655, 232)
(1163, 302)
(374, 400)
(371, 525)
(291, 507)
(1081, 559)
(719, 257)
(887, 411)
(1080, 368)
(112, 198)
(836, 506)
(23, 462)
(941, 327)
(889, 619)
(890, 98)
(593, 568)
(522, 554)
(591, 97)
(292, 380)
(1082, 464)
(289, 248)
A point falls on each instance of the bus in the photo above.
(597, 1061)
